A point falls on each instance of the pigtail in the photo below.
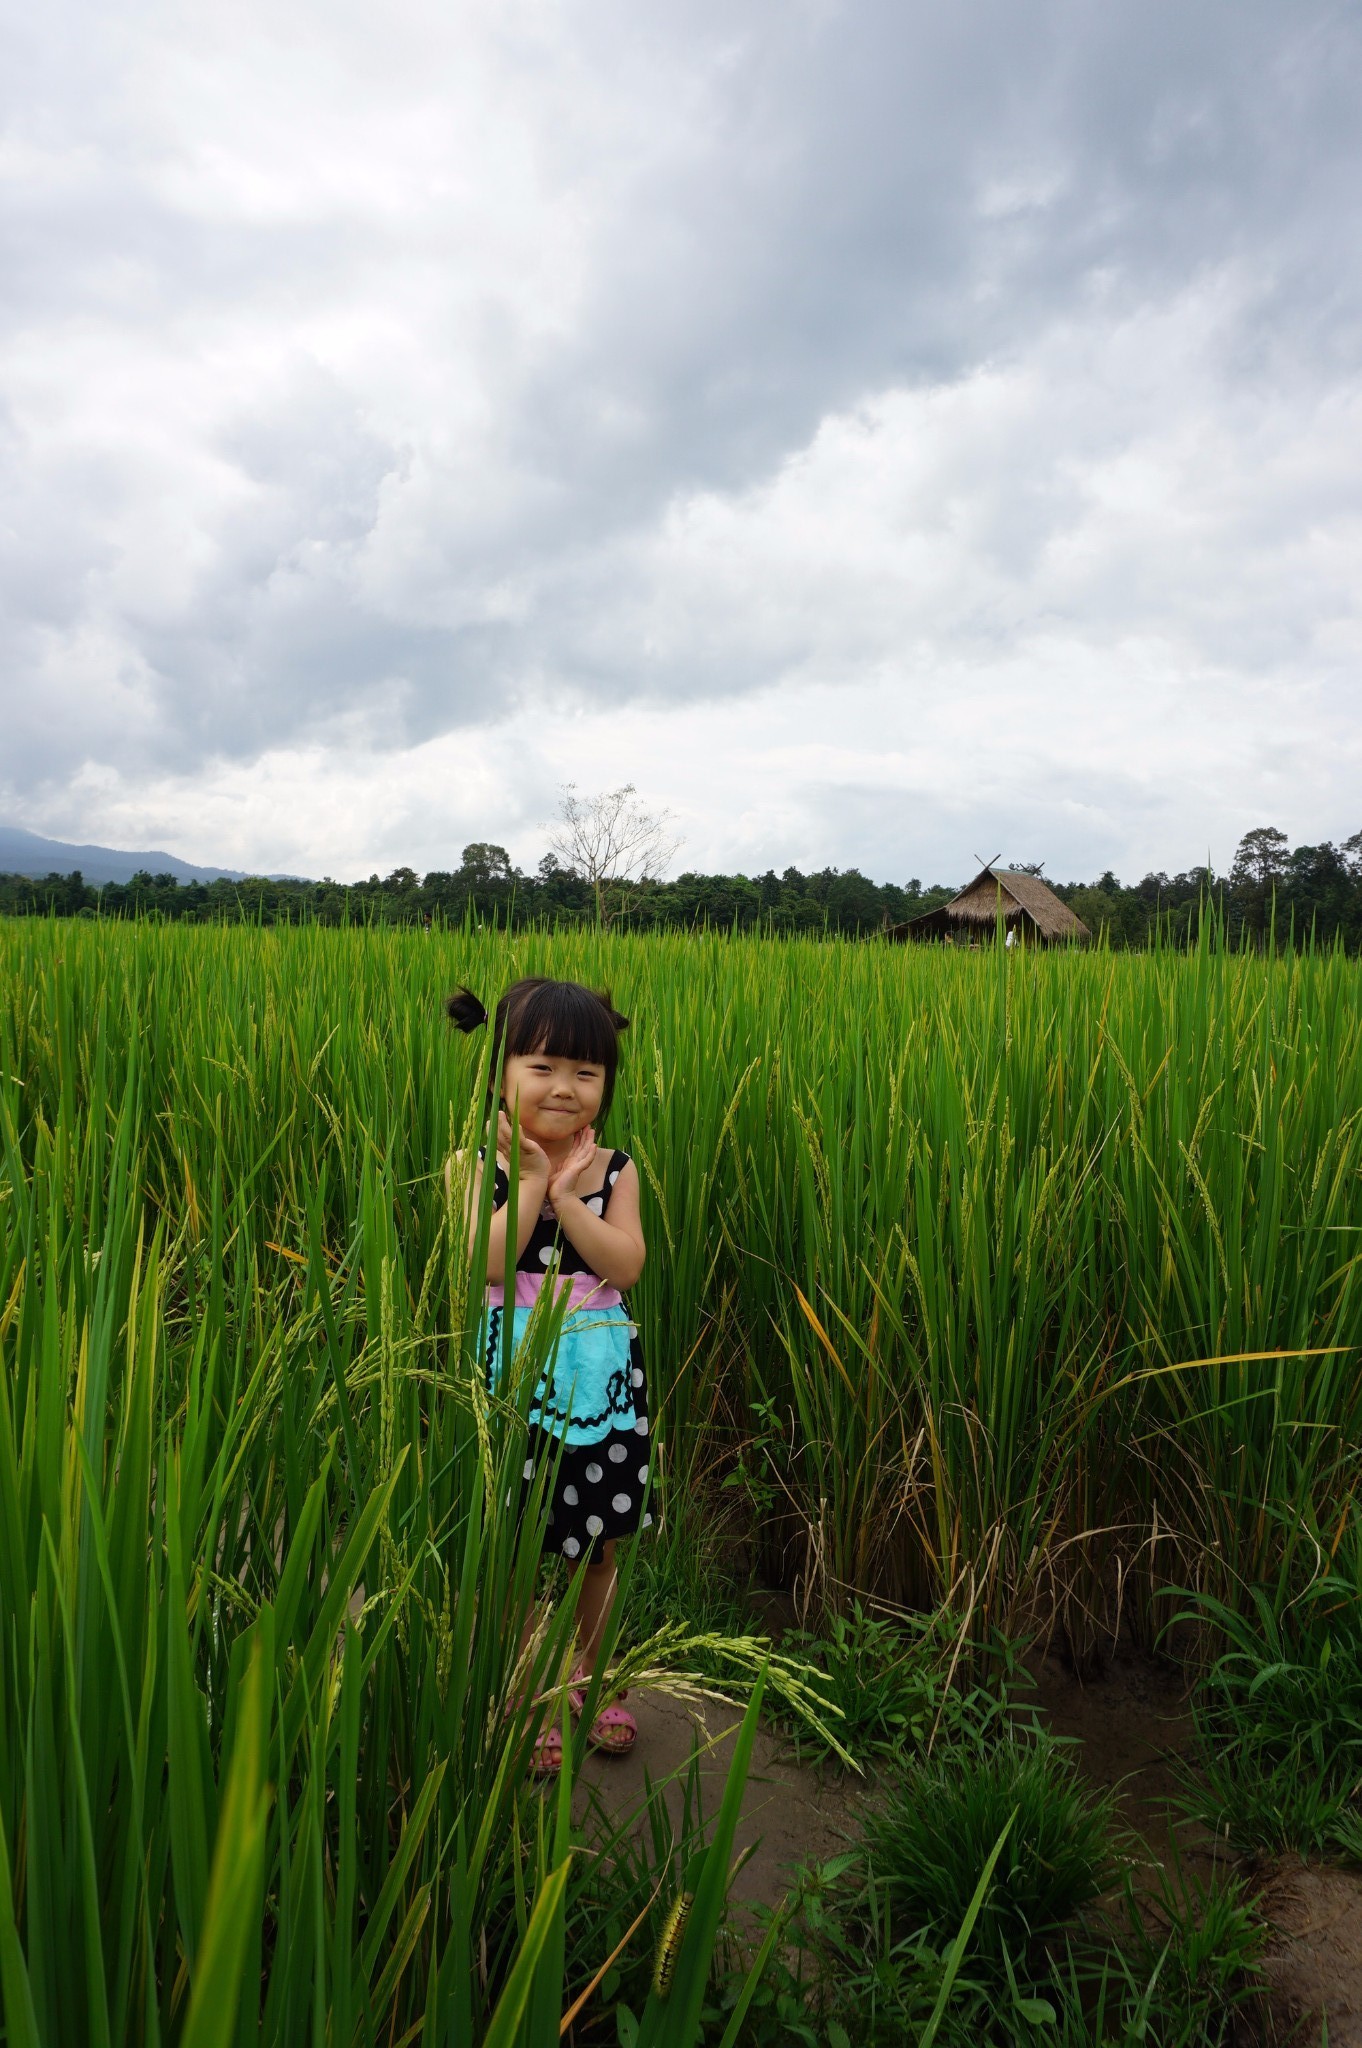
(464, 1009)
(602, 996)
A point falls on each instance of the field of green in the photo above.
(1025, 1287)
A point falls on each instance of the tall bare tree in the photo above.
(611, 838)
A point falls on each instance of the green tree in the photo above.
(1258, 869)
(485, 865)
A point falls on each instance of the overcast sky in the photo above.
(884, 433)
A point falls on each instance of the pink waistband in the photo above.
(583, 1290)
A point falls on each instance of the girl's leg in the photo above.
(594, 1601)
(613, 1729)
(547, 1756)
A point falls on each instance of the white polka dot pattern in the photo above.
(596, 1490)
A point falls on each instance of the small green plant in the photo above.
(1279, 1714)
(930, 1841)
(846, 1971)
(758, 1459)
(1193, 1950)
(1176, 1973)
(897, 1685)
(1179, 1977)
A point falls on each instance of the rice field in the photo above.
(1027, 1286)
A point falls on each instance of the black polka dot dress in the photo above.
(589, 1417)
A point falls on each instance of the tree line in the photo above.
(1272, 892)
(1270, 888)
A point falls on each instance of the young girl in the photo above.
(578, 1219)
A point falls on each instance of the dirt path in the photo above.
(1315, 1964)
(1129, 1728)
(790, 1815)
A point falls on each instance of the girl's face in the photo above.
(555, 1097)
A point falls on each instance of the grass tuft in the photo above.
(928, 1844)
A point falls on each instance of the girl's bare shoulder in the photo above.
(605, 1153)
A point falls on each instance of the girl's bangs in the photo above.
(565, 1021)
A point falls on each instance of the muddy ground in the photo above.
(1128, 1727)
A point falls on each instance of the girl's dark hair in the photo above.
(560, 1018)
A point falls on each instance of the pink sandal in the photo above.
(546, 1758)
(614, 1731)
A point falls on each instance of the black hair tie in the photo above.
(464, 1009)
(603, 997)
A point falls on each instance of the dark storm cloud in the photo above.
(324, 417)
(837, 232)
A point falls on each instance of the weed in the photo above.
(929, 1842)
(1192, 1952)
(686, 1574)
(1174, 1972)
(901, 1683)
(1279, 1714)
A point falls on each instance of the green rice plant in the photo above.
(1004, 1191)
(1242, 1248)
(1022, 1288)
(265, 1717)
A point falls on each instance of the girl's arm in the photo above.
(534, 1181)
(612, 1245)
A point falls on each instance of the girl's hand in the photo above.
(564, 1182)
(534, 1160)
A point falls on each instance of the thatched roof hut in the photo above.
(1028, 907)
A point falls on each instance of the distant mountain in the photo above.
(26, 853)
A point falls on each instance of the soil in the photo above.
(790, 1815)
(1128, 1728)
(1315, 1964)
